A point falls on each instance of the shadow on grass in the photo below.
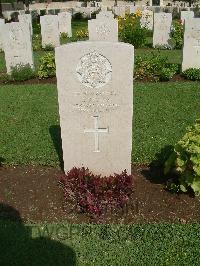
(17, 247)
(1, 161)
(155, 173)
(55, 133)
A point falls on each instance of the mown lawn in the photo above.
(65, 244)
(29, 121)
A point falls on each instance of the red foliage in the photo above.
(94, 194)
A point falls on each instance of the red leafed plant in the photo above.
(94, 194)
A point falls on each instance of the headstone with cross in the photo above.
(191, 48)
(95, 94)
(162, 29)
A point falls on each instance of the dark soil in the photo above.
(53, 80)
(32, 81)
(34, 195)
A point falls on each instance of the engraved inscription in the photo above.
(94, 70)
(103, 30)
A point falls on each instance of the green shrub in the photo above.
(64, 38)
(21, 73)
(47, 67)
(192, 74)
(185, 160)
(48, 47)
(37, 42)
(177, 34)
(130, 30)
(154, 67)
(176, 14)
(81, 34)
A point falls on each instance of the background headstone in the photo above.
(105, 14)
(26, 19)
(64, 20)
(191, 48)
(17, 45)
(50, 30)
(95, 94)
(186, 15)
(2, 22)
(146, 20)
(119, 11)
(103, 30)
(162, 28)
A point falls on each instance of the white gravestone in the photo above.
(191, 48)
(2, 23)
(119, 11)
(103, 30)
(134, 9)
(95, 94)
(26, 19)
(64, 19)
(105, 14)
(185, 15)
(17, 45)
(162, 29)
(146, 20)
(50, 30)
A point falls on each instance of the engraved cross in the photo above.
(96, 132)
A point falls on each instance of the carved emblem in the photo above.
(94, 70)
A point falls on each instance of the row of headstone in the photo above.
(103, 28)
(52, 26)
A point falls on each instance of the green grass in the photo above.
(29, 113)
(156, 244)
(174, 56)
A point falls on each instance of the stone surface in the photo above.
(119, 11)
(95, 94)
(17, 45)
(186, 15)
(162, 28)
(191, 49)
(64, 19)
(105, 14)
(146, 20)
(103, 30)
(26, 19)
(50, 30)
(2, 23)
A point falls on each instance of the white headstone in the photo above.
(2, 22)
(162, 28)
(64, 19)
(146, 20)
(95, 94)
(191, 49)
(119, 11)
(17, 45)
(105, 14)
(50, 30)
(26, 19)
(103, 30)
(186, 15)
(134, 9)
